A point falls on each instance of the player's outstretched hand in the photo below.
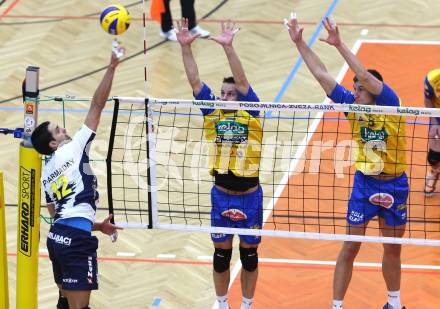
(295, 31)
(118, 51)
(108, 228)
(333, 38)
(226, 37)
(184, 37)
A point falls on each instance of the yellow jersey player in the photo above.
(380, 187)
(236, 197)
(432, 99)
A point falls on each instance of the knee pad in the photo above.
(86, 307)
(433, 157)
(62, 303)
(222, 259)
(249, 258)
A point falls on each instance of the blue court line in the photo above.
(156, 302)
(52, 110)
(300, 60)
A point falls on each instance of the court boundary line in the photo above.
(206, 260)
(408, 42)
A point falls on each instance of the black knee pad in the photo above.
(249, 258)
(62, 303)
(433, 157)
(222, 259)
(86, 307)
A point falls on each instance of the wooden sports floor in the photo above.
(167, 269)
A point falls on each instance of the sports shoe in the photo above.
(169, 35)
(387, 306)
(199, 30)
(430, 182)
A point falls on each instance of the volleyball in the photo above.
(115, 19)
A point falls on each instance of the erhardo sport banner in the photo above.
(28, 228)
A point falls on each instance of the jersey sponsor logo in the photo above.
(234, 214)
(356, 217)
(217, 235)
(368, 134)
(70, 280)
(60, 239)
(58, 171)
(382, 199)
(401, 207)
(230, 131)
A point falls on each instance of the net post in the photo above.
(4, 291)
(151, 171)
(108, 160)
(28, 218)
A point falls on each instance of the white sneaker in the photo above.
(199, 30)
(169, 35)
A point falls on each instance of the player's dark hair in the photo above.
(41, 137)
(372, 72)
(229, 80)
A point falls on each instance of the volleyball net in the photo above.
(160, 158)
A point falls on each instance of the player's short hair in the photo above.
(373, 72)
(41, 137)
(229, 80)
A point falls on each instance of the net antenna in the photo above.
(306, 169)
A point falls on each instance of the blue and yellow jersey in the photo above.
(236, 137)
(432, 87)
(380, 139)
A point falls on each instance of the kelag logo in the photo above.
(407, 110)
(25, 218)
(357, 108)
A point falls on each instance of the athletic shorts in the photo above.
(237, 211)
(371, 197)
(73, 255)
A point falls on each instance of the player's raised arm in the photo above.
(101, 94)
(185, 39)
(365, 78)
(225, 38)
(315, 65)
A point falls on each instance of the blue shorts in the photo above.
(237, 211)
(73, 255)
(371, 197)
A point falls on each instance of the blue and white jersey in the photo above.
(68, 180)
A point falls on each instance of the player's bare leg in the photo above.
(344, 263)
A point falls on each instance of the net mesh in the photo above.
(306, 169)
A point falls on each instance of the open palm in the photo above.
(227, 35)
(333, 37)
(184, 37)
(295, 31)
